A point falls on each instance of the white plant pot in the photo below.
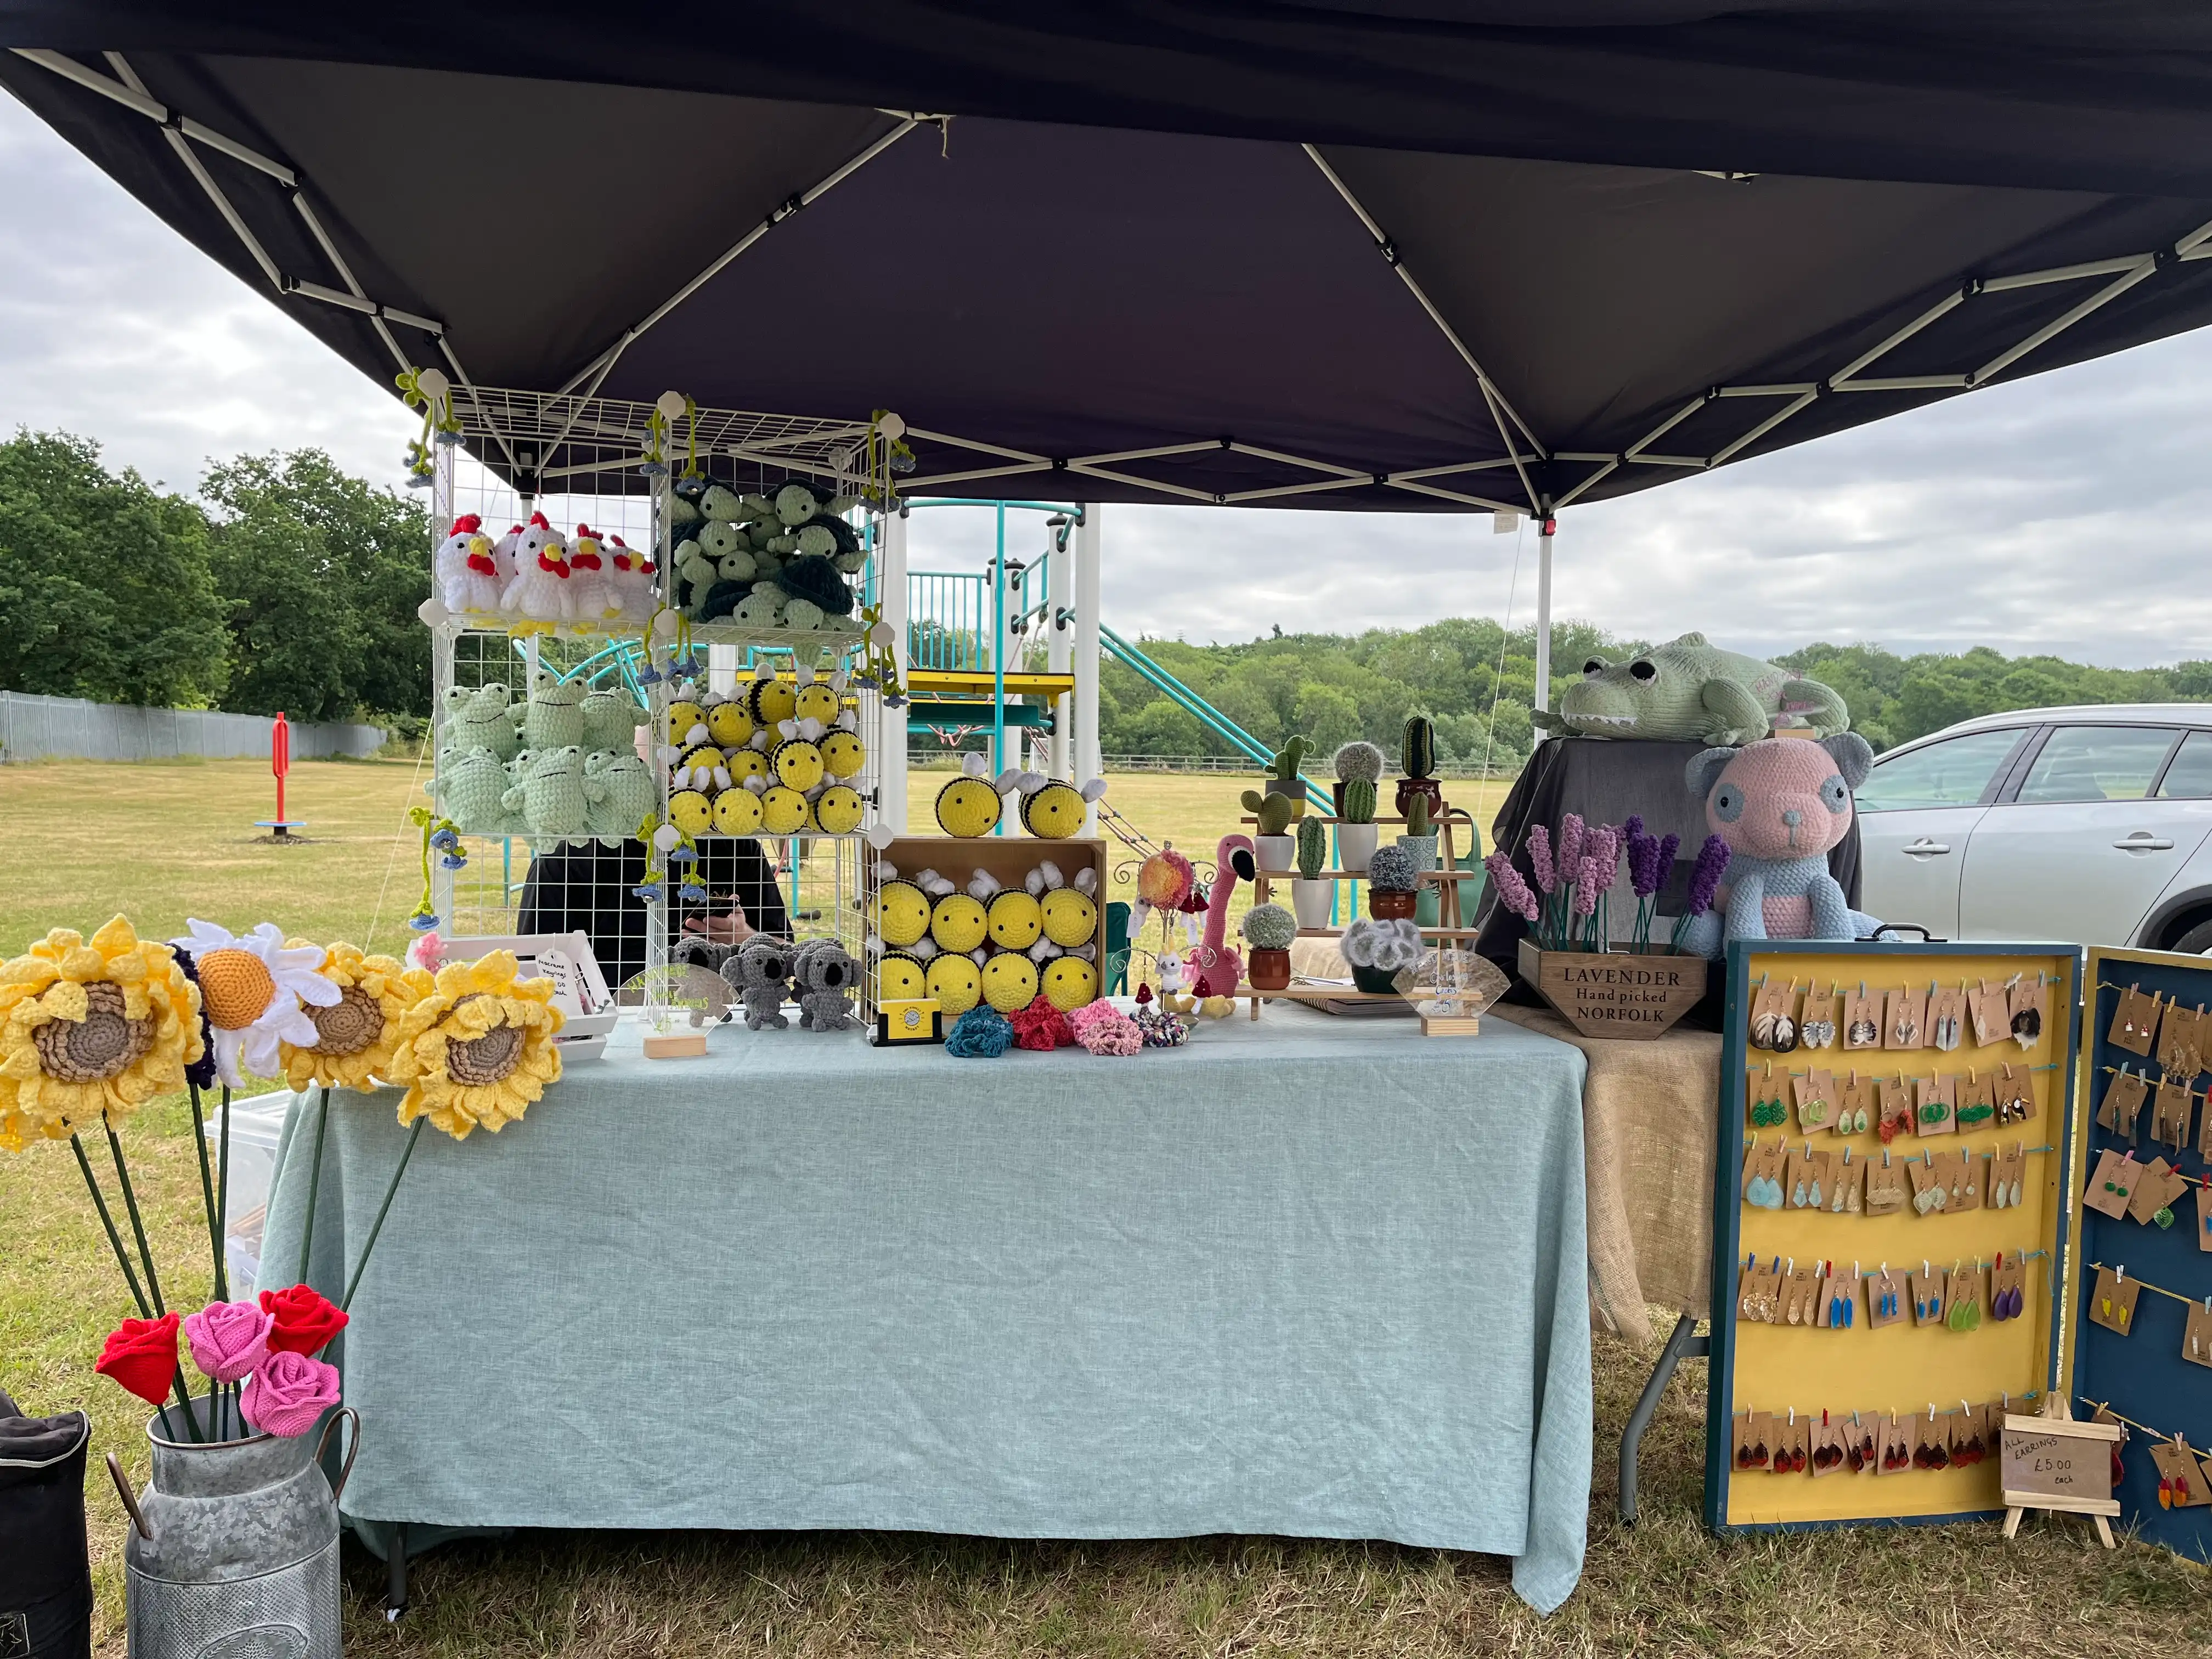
(1355, 845)
(1276, 854)
(1310, 901)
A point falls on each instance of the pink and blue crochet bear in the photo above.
(1780, 804)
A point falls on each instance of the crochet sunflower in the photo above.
(479, 1048)
(90, 1027)
(356, 1034)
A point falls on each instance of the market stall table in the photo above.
(1305, 1276)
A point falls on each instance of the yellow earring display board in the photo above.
(1989, 1228)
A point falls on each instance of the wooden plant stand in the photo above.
(1452, 926)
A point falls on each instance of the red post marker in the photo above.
(280, 763)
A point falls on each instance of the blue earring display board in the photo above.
(2144, 1376)
(1926, 1380)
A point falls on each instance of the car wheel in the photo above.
(2195, 942)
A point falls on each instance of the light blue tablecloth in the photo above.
(1307, 1276)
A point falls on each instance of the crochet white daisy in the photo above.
(252, 987)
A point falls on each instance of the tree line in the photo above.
(285, 583)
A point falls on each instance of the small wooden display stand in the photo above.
(2052, 1463)
(1447, 914)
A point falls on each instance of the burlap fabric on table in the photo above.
(1648, 1109)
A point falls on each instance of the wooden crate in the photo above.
(1615, 994)
(1008, 858)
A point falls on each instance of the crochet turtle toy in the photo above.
(824, 973)
(1689, 689)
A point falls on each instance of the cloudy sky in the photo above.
(2069, 513)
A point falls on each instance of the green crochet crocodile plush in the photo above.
(1687, 689)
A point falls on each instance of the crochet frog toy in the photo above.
(609, 717)
(554, 796)
(630, 794)
(477, 720)
(1780, 804)
(468, 789)
(1687, 689)
(554, 718)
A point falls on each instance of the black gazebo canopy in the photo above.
(1415, 255)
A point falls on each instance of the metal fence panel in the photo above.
(70, 728)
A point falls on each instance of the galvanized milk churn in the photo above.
(232, 1551)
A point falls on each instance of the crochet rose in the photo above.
(306, 1320)
(141, 1354)
(289, 1394)
(228, 1339)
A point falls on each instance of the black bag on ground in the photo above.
(45, 1575)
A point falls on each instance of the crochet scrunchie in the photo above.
(1041, 1026)
(1105, 1029)
(981, 1033)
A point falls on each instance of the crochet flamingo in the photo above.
(1217, 967)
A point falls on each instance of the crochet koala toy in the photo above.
(825, 974)
(760, 972)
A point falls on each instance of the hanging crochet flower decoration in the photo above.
(479, 1048)
(257, 989)
(90, 1027)
(356, 1034)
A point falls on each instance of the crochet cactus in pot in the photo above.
(1269, 929)
(1359, 804)
(1357, 762)
(1391, 877)
(1417, 759)
(1273, 811)
(1283, 781)
(1312, 849)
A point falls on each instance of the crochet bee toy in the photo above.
(784, 811)
(737, 813)
(838, 809)
(1010, 981)
(956, 982)
(1015, 918)
(729, 723)
(969, 805)
(1068, 912)
(761, 972)
(1051, 810)
(902, 910)
(1068, 983)
(700, 768)
(825, 974)
(900, 978)
(957, 920)
(773, 701)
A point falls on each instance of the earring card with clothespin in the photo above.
(2139, 1330)
(1889, 1216)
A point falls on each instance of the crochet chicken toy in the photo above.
(540, 588)
(468, 576)
(592, 597)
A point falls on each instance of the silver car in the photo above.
(2089, 825)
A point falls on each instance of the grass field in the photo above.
(161, 841)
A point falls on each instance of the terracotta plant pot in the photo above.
(1390, 903)
(1409, 788)
(1268, 970)
(1310, 901)
(1355, 845)
(1276, 854)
